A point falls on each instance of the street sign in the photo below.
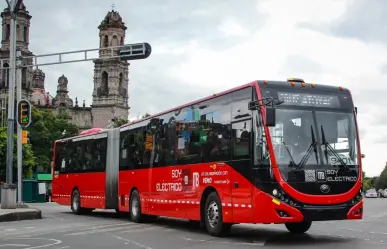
(24, 113)
(136, 51)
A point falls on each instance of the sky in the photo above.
(204, 47)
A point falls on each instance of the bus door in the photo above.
(241, 125)
(59, 164)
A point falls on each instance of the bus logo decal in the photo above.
(195, 180)
(321, 175)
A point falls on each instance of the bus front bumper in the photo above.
(277, 212)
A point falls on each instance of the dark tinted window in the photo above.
(81, 156)
(241, 123)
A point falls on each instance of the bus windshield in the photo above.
(304, 137)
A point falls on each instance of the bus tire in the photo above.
(135, 207)
(213, 218)
(298, 227)
(76, 202)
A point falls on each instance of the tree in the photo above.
(45, 128)
(29, 160)
(117, 122)
(381, 182)
(146, 115)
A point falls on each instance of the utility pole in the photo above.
(8, 195)
(19, 132)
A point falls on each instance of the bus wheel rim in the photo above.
(75, 202)
(134, 206)
(213, 214)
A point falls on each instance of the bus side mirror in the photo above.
(362, 156)
(356, 110)
(270, 116)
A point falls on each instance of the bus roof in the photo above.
(85, 133)
(317, 87)
(193, 103)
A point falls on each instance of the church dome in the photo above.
(39, 72)
(112, 19)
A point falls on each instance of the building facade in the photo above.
(110, 93)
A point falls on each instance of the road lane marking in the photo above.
(56, 242)
(254, 243)
(92, 231)
(133, 242)
(139, 230)
(16, 245)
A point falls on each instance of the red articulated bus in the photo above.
(265, 152)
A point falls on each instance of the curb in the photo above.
(24, 215)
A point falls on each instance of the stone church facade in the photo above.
(110, 93)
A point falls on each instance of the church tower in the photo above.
(110, 94)
(23, 20)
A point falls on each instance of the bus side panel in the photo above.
(130, 180)
(112, 164)
(91, 187)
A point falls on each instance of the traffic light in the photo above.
(25, 137)
(135, 51)
(24, 113)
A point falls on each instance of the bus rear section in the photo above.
(85, 172)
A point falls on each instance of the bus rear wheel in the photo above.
(76, 202)
(298, 227)
(213, 218)
(135, 207)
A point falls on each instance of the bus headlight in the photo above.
(275, 192)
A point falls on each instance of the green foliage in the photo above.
(367, 184)
(146, 115)
(117, 122)
(381, 182)
(29, 160)
(46, 127)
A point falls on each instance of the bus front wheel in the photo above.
(298, 227)
(213, 217)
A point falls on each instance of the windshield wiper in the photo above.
(313, 146)
(290, 154)
(328, 146)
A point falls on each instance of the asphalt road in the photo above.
(60, 229)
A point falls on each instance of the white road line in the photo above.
(133, 242)
(351, 229)
(56, 242)
(138, 230)
(254, 243)
(92, 231)
(16, 245)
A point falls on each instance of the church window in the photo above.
(104, 85)
(106, 41)
(7, 32)
(6, 74)
(25, 33)
(121, 82)
(115, 41)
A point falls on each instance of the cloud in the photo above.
(364, 20)
(204, 47)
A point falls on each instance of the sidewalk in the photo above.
(20, 213)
